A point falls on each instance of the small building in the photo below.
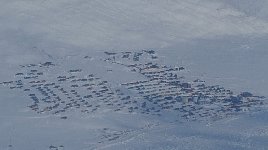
(185, 99)
(185, 85)
(246, 94)
(195, 99)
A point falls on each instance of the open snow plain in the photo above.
(145, 74)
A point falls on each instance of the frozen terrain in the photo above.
(143, 74)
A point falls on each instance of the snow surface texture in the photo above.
(221, 42)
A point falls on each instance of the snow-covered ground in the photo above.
(222, 42)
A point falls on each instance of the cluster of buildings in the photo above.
(163, 89)
(70, 90)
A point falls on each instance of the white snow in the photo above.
(223, 42)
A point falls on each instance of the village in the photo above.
(162, 90)
(65, 93)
